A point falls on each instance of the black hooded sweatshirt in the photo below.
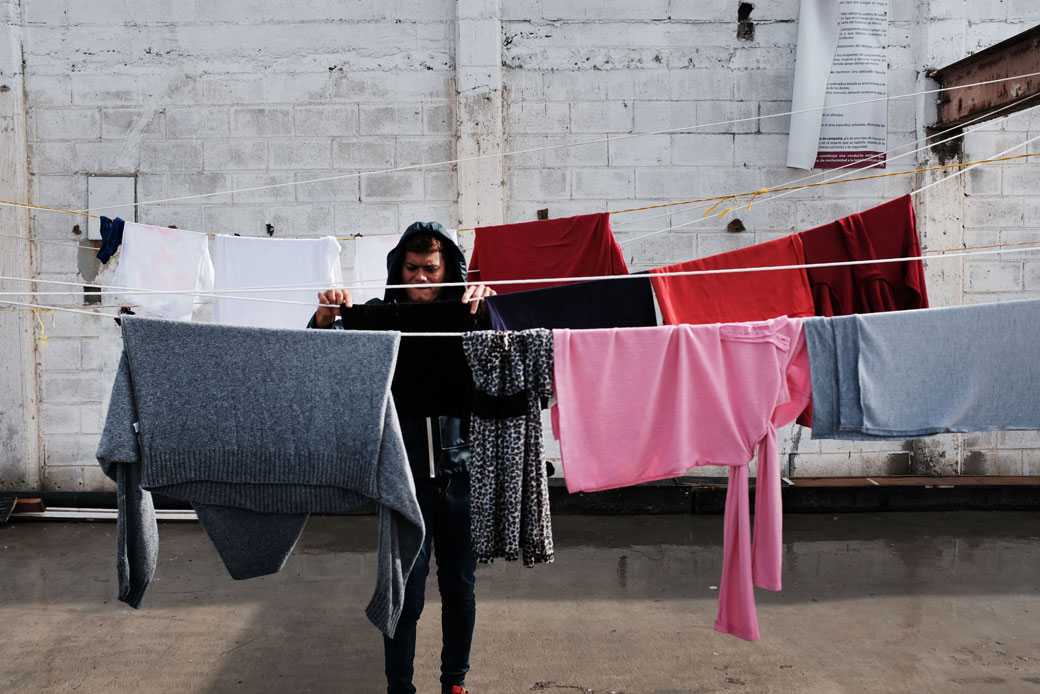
(436, 445)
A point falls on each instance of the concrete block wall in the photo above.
(207, 98)
(204, 98)
(1002, 206)
(599, 73)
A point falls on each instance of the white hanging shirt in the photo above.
(161, 259)
(242, 261)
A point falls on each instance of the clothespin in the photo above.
(124, 311)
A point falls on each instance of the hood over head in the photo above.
(452, 256)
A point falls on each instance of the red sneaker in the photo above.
(456, 689)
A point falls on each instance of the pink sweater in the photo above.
(642, 404)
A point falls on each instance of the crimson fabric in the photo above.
(581, 246)
(736, 297)
(885, 231)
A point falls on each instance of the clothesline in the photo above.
(562, 146)
(950, 253)
(566, 279)
(966, 167)
(961, 132)
(86, 212)
(717, 199)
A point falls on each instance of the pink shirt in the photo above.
(642, 404)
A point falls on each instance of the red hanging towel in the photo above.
(737, 297)
(581, 246)
(885, 231)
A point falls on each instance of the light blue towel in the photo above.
(906, 374)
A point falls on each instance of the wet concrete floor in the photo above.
(899, 602)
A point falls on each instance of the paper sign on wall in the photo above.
(842, 58)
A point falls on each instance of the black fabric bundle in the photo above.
(432, 377)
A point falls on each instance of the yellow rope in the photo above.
(43, 336)
(43, 329)
(718, 199)
(41, 207)
(779, 189)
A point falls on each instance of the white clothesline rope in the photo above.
(853, 167)
(616, 138)
(538, 280)
(913, 192)
(698, 207)
(226, 293)
(682, 273)
(963, 133)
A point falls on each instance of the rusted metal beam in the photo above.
(1018, 55)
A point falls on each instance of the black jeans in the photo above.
(445, 504)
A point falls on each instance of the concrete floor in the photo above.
(926, 602)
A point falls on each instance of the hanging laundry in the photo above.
(111, 237)
(432, 377)
(735, 297)
(512, 374)
(581, 246)
(240, 262)
(620, 303)
(885, 231)
(906, 374)
(162, 259)
(370, 259)
(308, 427)
(643, 404)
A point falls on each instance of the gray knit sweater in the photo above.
(275, 422)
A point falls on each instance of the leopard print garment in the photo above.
(510, 491)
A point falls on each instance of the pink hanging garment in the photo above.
(642, 404)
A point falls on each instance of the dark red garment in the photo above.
(581, 246)
(885, 231)
(736, 297)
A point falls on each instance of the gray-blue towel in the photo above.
(906, 374)
(258, 428)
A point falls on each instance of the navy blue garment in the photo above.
(432, 376)
(620, 303)
(111, 237)
(445, 504)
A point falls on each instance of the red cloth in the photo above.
(737, 297)
(885, 231)
(581, 246)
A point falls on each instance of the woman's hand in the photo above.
(330, 299)
(477, 292)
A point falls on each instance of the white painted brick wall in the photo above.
(196, 98)
(695, 72)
